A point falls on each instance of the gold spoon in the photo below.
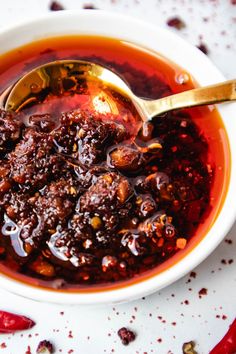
(68, 76)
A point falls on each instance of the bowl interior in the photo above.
(157, 40)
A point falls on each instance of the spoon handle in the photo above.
(221, 92)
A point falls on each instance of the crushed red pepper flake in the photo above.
(229, 241)
(202, 292)
(28, 350)
(225, 261)
(3, 345)
(56, 6)
(126, 335)
(203, 48)
(45, 347)
(89, 7)
(176, 22)
(193, 275)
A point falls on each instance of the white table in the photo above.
(166, 314)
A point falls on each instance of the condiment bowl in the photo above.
(166, 43)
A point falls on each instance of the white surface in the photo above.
(197, 320)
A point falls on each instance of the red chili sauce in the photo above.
(83, 205)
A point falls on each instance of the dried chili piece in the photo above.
(203, 48)
(176, 22)
(126, 335)
(10, 322)
(56, 6)
(89, 7)
(227, 345)
(45, 347)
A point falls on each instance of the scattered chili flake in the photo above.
(224, 317)
(233, 2)
(3, 345)
(188, 348)
(193, 275)
(186, 302)
(126, 335)
(28, 351)
(202, 292)
(223, 261)
(203, 48)
(62, 313)
(159, 340)
(227, 343)
(45, 347)
(70, 335)
(176, 22)
(89, 7)
(10, 322)
(230, 261)
(56, 6)
(227, 240)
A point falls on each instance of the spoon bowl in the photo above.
(98, 88)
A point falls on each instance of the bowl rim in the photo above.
(208, 74)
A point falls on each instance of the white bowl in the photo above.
(171, 46)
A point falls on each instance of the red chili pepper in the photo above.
(227, 345)
(9, 322)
